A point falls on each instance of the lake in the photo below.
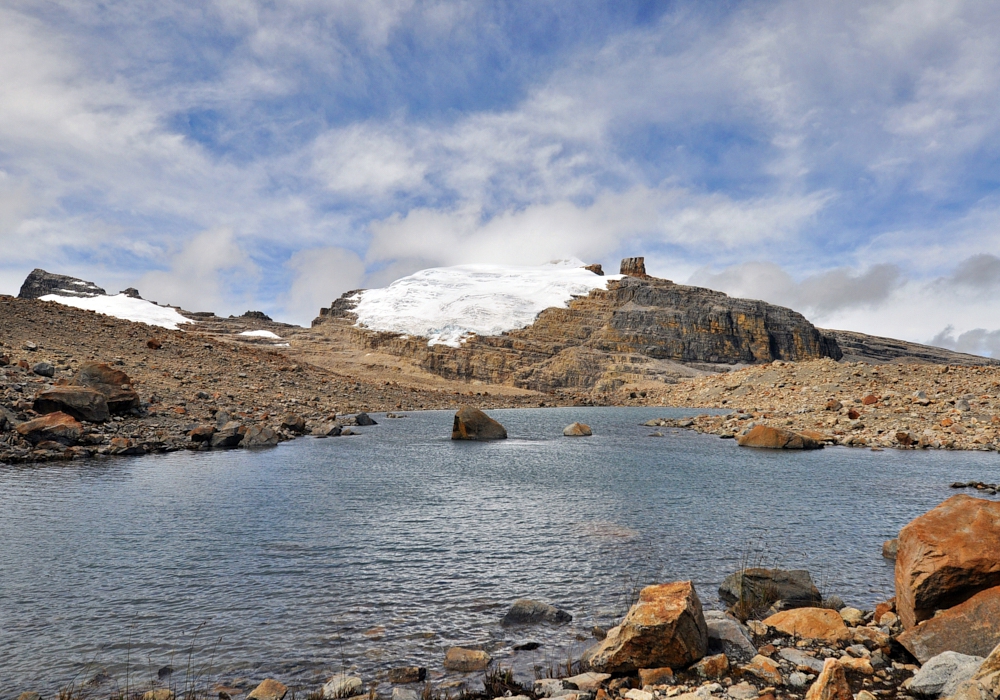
(384, 549)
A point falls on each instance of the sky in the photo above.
(840, 158)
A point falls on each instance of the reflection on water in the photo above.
(385, 549)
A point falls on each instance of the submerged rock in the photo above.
(757, 589)
(466, 660)
(341, 686)
(472, 424)
(526, 611)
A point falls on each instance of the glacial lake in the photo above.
(384, 549)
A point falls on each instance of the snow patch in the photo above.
(447, 305)
(125, 307)
(261, 334)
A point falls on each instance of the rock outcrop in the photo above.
(40, 283)
(946, 556)
(114, 384)
(639, 325)
(666, 627)
(472, 424)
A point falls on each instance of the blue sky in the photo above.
(840, 158)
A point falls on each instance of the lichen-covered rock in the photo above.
(831, 684)
(666, 627)
(472, 424)
(942, 674)
(777, 439)
(810, 623)
(946, 556)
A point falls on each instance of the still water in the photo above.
(384, 549)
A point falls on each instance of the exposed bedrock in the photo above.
(640, 326)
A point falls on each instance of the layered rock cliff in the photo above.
(639, 327)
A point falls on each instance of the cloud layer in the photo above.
(838, 158)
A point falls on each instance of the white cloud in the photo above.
(205, 275)
(319, 277)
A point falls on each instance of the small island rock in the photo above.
(577, 430)
(472, 424)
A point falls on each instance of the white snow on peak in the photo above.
(447, 305)
(261, 334)
(125, 307)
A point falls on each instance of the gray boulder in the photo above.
(259, 436)
(759, 589)
(44, 369)
(526, 612)
(327, 430)
(800, 658)
(942, 674)
(39, 283)
(364, 419)
(294, 423)
(726, 635)
(228, 436)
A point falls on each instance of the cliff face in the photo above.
(639, 328)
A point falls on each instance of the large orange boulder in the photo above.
(972, 628)
(666, 627)
(472, 424)
(777, 439)
(946, 556)
(53, 427)
(810, 623)
(83, 403)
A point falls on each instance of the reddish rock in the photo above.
(203, 433)
(712, 666)
(834, 405)
(154, 344)
(882, 608)
(56, 427)
(270, 689)
(666, 627)
(656, 676)
(831, 683)
(810, 623)
(114, 384)
(853, 414)
(904, 438)
(777, 439)
(765, 669)
(870, 400)
(946, 556)
(634, 267)
(472, 424)
(972, 628)
(80, 402)
(595, 268)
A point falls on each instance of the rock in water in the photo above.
(971, 628)
(407, 674)
(270, 689)
(54, 427)
(946, 556)
(777, 439)
(364, 419)
(39, 283)
(890, 548)
(80, 402)
(831, 683)
(473, 424)
(759, 589)
(577, 430)
(466, 660)
(665, 628)
(259, 436)
(526, 612)
(341, 686)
